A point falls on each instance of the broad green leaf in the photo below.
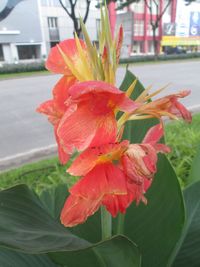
(135, 130)
(54, 198)
(195, 169)
(115, 252)
(155, 228)
(25, 225)
(189, 246)
(10, 258)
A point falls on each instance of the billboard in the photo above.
(194, 29)
(186, 29)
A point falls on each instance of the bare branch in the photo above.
(146, 3)
(87, 10)
(65, 8)
(165, 8)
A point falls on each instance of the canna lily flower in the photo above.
(113, 175)
(101, 178)
(90, 117)
(55, 109)
(82, 60)
(166, 106)
(139, 163)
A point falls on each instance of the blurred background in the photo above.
(29, 28)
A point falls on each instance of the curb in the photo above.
(20, 159)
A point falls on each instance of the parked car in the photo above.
(169, 50)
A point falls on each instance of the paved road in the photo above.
(22, 129)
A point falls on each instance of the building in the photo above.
(29, 28)
(176, 19)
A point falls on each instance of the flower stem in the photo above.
(120, 224)
(106, 224)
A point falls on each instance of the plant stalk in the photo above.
(120, 224)
(106, 224)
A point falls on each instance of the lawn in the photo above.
(184, 139)
(23, 74)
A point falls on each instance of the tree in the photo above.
(155, 17)
(72, 14)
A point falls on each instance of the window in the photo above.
(54, 35)
(1, 53)
(51, 2)
(28, 51)
(138, 28)
(137, 7)
(52, 22)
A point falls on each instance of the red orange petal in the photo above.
(82, 128)
(76, 210)
(55, 61)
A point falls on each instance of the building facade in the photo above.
(176, 19)
(30, 28)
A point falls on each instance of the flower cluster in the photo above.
(83, 111)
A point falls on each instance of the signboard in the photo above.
(186, 30)
(194, 29)
(177, 41)
(169, 29)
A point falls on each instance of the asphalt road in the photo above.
(22, 130)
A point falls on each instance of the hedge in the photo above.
(22, 67)
(38, 66)
(162, 57)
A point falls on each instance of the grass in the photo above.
(183, 138)
(23, 74)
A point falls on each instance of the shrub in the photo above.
(22, 67)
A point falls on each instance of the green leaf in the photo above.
(195, 169)
(135, 130)
(155, 228)
(54, 198)
(10, 258)
(26, 226)
(115, 252)
(189, 246)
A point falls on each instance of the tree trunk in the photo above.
(155, 43)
